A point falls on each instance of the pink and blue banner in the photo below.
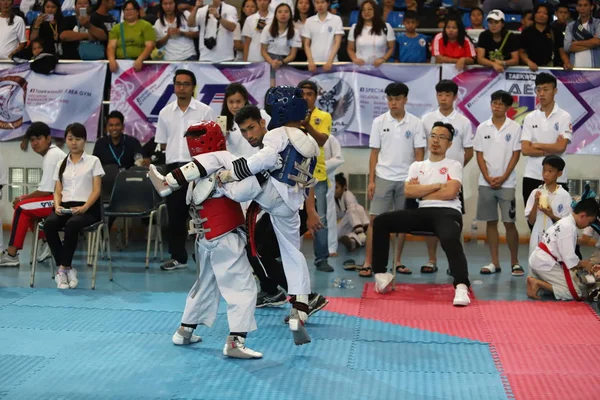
(141, 95)
(72, 93)
(355, 96)
(578, 94)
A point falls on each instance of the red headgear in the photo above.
(205, 137)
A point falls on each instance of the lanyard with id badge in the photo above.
(118, 159)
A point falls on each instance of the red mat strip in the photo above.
(548, 358)
(393, 310)
(561, 386)
(413, 291)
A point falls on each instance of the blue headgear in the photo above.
(285, 104)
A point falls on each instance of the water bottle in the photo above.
(342, 283)
(138, 159)
(474, 231)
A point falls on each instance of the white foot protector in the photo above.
(383, 282)
(235, 347)
(183, 335)
(461, 295)
(296, 324)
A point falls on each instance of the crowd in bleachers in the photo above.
(496, 33)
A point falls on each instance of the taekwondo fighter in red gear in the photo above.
(224, 269)
(290, 154)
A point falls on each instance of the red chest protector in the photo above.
(219, 216)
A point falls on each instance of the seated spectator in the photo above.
(248, 8)
(280, 41)
(370, 41)
(453, 45)
(76, 203)
(548, 203)
(133, 39)
(254, 27)
(563, 15)
(118, 148)
(47, 26)
(322, 37)
(582, 38)
(476, 19)
(216, 24)
(388, 7)
(351, 216)
(80, 37)
(526, 20)
(554, 263)
(12, 31)
(38, 204)
(102, 17)
(497, 47)
(412, 46)
(542, 45)
(173, 36)
(304, 10)
(507, 5)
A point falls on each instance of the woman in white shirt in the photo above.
(12, 31)
(173, 35)
(236, 97)
(78, 184)
(304, 10)
(280, 41)
(371, 40)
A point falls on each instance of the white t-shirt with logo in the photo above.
(322, 35)
(179, 47)
(560, 203)
(370, 47)
(280, 45)
(463, 135)
(396, 141)
(11, 35)
(428, 173)
(223, 50)
(251, 31)
(498, 146)
(539, 129)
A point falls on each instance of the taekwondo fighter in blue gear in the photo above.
(223, 265)
(290, 154)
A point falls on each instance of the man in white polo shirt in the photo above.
(546, 130)
(498, 148)
(322, 36)
(173, 122)
(216, 24)
(397, 140)
(436, 182)
(461, 149)
(253, 28)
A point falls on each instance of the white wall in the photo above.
(356, 162)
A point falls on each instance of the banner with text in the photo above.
(65, 96)
(578, 94)
(141, 95)
(355, 96)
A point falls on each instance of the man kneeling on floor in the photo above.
(436, 183)
(554, 265)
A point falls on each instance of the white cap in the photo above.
(496, 15)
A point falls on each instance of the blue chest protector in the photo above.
(296, 169)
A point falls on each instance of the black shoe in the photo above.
(324, 266)
(266, 300)
(316, 304)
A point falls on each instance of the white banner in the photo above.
(355, 96)
(72, 93)
(141, 95)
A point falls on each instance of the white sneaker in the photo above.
(61, 279)
(72, 278)
(383, 282)
(235, 347)
(44, 252)
(461, 295)
(183, 335)
(6, 260)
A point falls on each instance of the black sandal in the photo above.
(365, 272)
(429, 268)
(401, 267)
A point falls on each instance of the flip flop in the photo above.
(365, 272)
(517, 270)
(490, 269)
(401, 267)
(350, 265)
(429, 268)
